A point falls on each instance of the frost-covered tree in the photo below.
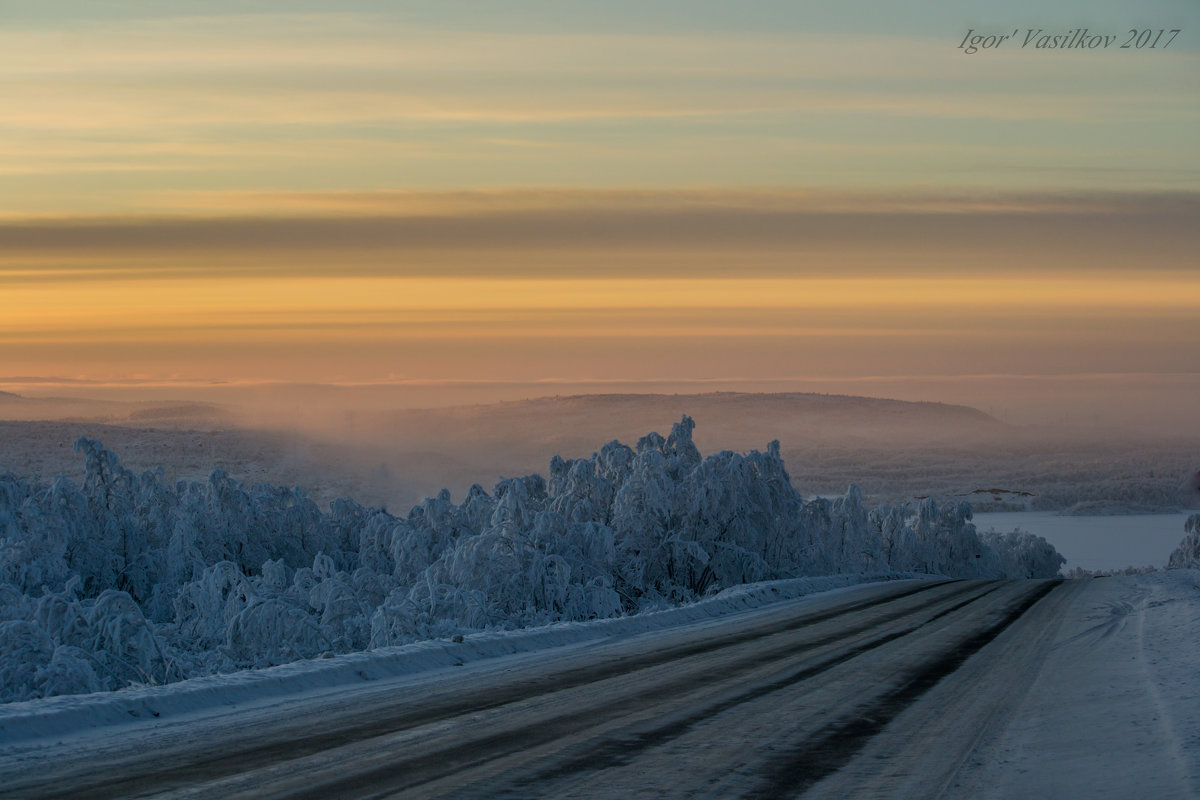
(1187, 555)
(129, 580)
(1022, 555)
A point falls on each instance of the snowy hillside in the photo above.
(128, 580)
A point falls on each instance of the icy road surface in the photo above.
(913, 689)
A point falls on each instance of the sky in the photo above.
(677, 193)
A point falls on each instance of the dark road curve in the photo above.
(408, 774)
(555, 732)
(794, 771)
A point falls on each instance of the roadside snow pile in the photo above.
(68, 714)
(1187, 555)
(129, 581)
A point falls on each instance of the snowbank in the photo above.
(67, 715)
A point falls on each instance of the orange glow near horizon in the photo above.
(611, 286)
(339, 328)
(98, 305)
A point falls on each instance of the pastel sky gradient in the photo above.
(619, 191)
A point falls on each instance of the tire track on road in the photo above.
(620, 750)
(793, 772)
(411, 773)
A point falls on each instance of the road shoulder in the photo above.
(1110, 713)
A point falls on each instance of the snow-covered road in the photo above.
(912, 689)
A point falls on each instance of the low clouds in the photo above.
(514, 233)
(103, 116)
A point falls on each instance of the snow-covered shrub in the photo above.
(1077, 573)
(273, 631)
(25, 651)
(70, 671)
(125, 648)
(1023, 555)
(1187, 555)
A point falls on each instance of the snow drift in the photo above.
(126, 580)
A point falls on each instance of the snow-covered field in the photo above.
(913, 689)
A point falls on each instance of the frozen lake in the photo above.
(1108, 542)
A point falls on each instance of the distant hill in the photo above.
(165, 414)
(186, 412)
(725, 420)
(894, 450)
